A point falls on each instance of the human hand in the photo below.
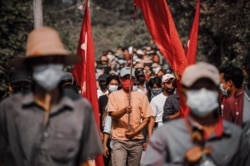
(194, 154)
(128, 109)
(105, 151)
(144, 146)
(129, 134)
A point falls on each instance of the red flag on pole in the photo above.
(159, 21)
(193, 37)
(161, 26)
(84, 71)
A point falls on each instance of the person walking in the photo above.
(130, 112)
(47, 127)
(202, 138)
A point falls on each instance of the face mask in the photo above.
(223, 91)
(202, 102)
(110, 57)
(156, 91)
(48, 76)
(170, 91)
(103, 86)
(135, 87)
(113, 88)
(126, 84)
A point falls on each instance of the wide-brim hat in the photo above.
(44, 42)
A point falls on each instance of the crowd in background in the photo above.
(154, 80)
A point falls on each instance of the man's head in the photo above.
(45, 57)
(140, 76)
(127, 77)
(104, 60)
(19, 81)
(231, 78)
(201, 87)
(168, 84)
(102, 80)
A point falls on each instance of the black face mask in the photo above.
(103, 86)
(169, 91)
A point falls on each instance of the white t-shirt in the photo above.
(157, 104)
(100, 93)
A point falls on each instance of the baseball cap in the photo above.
(103, 77)
(167, 77)
(125, 71)
(199, 70)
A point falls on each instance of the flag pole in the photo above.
(131, 64)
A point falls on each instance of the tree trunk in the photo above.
(38, 13)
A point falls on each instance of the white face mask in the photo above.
(110, 57)
(135, 87)
(202, 102)
(223, 91)
(48, 76)
(113, 88)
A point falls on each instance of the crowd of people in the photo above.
(45, 121)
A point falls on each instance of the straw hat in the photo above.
(44, 42)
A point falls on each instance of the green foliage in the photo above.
(223, 35)
(15, 22)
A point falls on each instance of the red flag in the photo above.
(193, 37)
(161, 26)
(84, 71)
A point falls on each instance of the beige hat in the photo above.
(200, 70)
(44, 42)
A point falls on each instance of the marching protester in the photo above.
(19, 81)
(157, 102)
(47, 126)
(113, 83)
(130, 112)
(202, 138)
(103, 89)
(231, 82)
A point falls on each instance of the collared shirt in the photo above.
(157, 104)
(141, 109)
(70, 136)
(233, 108)
(171, 141)
(171, 106)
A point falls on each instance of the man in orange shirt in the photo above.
(127, 137)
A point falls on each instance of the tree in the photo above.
(16, 20)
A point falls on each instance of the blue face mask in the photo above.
(48, 76)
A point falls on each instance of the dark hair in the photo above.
(235, 74)
(112, 77)
(155, 80)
